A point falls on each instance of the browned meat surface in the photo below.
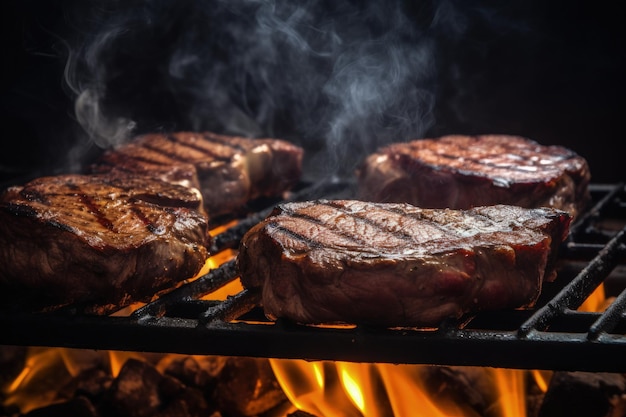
(99, 239)
(394, 264)
(466, 171)
(229, 171)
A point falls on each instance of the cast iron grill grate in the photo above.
(554, 335)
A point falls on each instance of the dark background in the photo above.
(552, 71)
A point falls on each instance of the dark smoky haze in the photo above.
(338, 78)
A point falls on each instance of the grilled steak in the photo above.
(97, 239)
(465, 171)
(229, 171)
(393, 264)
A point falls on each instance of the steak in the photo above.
(394, 264)
(460, 172)
(229, 171)
(102, 239)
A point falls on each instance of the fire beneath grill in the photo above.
(61, 381)
(577, 329)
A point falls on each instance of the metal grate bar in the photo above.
(609, 319)
(232, 308)
(204, 285)
(596, 211)
(229, 239)
(574, 293)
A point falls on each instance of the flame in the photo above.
(596, 301)
(351, 383)
(314, 387)
(345, 389)
(408, 395)
(39, 381)
(542, 379)
(338, 389)
(512, 392)
(117, 360)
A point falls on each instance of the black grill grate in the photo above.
(554, 335)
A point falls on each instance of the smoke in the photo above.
(338, 78)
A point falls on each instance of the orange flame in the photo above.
(596, 300)
(512, 392)
(38, 383)
(542, 379)
(345, 389)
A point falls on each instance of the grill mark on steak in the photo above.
(135, 158)
(34, 196)
(90, 204)
(417, 216)
(294, 235)
(324, 225)
(336, 227)
(360, 226)
(514, 155)
(393, 227)
(150, 226)
(216, 139)
(204, 150)
(125, 158)
(180, 158)
(374, 222)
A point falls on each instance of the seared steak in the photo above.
(97, 239)
(465, 171)
(229, 171)
(394, 264)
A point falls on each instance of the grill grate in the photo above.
(553, 336)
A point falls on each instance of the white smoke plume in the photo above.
(338, 78)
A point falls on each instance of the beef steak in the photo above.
(229, 171)
(394, 264)
(103, 239)
(460, 172)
